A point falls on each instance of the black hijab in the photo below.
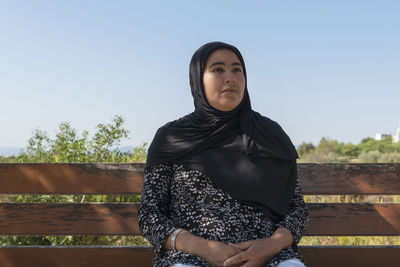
(241, 151)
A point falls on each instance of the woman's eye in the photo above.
(237, 70)
(218, 70)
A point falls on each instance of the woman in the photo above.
(220, 184)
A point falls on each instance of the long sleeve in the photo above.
(296, 219)
(154, 221)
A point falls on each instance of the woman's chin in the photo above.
(227, 107)
(228, 103)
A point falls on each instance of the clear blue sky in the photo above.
(319, 68)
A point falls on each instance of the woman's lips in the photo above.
(230, 90)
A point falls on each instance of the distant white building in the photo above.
(395, 138)
(381, 136)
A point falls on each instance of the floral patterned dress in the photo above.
(174, 197)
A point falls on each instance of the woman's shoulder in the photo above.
(269, 129)
(180, 122)
(270, 122)
(172, 167)
(159, 168)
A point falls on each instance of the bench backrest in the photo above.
(326, 219)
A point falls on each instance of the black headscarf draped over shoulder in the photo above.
(241, 151)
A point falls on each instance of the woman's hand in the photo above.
(253, 253)
(216, 252)
(258, 252)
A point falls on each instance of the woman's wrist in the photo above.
(283, 238)
(172, 242)
(186, 241)
(173, 238)
(190, 243)
(182, 242)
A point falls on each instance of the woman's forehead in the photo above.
(222, 54)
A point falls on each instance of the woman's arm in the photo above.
(213, 252)
(154, 221)
(156, 225)
(296, 219)
(258, 252)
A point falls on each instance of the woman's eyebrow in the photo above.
(217, 63)
(222, 63)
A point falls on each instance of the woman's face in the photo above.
(223, 80)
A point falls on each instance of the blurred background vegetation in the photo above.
(68, 146)
(367, 151)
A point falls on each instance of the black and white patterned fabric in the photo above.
(174, 197)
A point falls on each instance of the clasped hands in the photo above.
(252, 253)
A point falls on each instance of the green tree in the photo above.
(305, 148)
(107, 137)
(350, 150)
(368, 150)
(327, 145)
(384, 146)
(10, 159)
(38, 149)
(69, 146)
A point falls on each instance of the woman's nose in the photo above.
(230, 77)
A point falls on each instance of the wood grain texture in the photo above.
(74, 178)
(345, 178)
(76, 256)
(348, 219)
(357, 256)
(314, 256)
(68, 219)
(107, 178)
(121, 219)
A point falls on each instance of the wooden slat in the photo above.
(68, 219)
(320, 179)
(374, 256)
(121, 219)
(314, 256)
(344, 178)
(64, 178)
(76, 256)
(354, 219)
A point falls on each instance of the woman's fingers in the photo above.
(243, 245)
(236, 260)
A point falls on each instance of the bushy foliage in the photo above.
(305, 148)
(9, 159)
(67, 147)
(384, 146)
(378, 157)
(368, 151)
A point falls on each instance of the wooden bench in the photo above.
(332, 219)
